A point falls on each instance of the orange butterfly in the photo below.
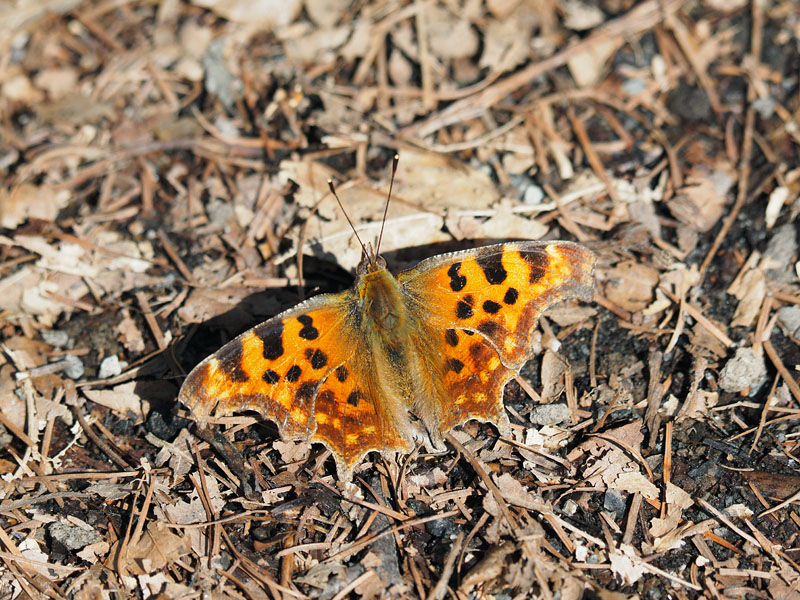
(438, 342)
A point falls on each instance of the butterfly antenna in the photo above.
(395, 160)
(346, 216)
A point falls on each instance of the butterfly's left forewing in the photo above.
(308, 370)
(274, 368)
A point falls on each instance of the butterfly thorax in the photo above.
(381, 299)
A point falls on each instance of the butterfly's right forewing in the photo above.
(481, 307)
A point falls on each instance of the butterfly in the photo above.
(395, 361)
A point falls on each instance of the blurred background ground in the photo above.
(163, 171)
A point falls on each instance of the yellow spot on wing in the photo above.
(299, 415)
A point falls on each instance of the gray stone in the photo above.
(549, 414)
(219, 81)
(110, 367)
(614, 502)
(744, 370)
(74, 367)
(782, 248)
(789, 320)
(56, 338)
(533, 195)
(5, 437)
(72, 536)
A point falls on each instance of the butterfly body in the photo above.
(395, 360)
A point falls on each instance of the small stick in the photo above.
(438, 591)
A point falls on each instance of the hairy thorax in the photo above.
(384, 309)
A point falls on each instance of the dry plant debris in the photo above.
(163, 172)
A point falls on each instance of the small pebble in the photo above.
(110, 367)
(56, 338)
(782, 248)
(72, 536)
(789, 319)
(74, 367)
(614, 502)
(549, 414)
(746, 370)
(5, 437)
(533, 195)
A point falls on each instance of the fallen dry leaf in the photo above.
(157, 548)
(630, 285)
(255, 13)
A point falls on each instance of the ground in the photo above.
(164, 188)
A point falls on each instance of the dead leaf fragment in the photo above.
(581, 16)
(501, 9)
(587, 68)
(488, 568)
(122, 399)
(326, 13)
(450, 36)
(626, 564)
(28, 201)
(259, 13)
(506, 43)
(157, 548)
(749, 288)
(630, 285)
(677, 501)
(634, 481)
(699, 204)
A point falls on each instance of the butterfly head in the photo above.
(370, 261)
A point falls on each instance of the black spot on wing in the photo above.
(325, 401)
(457, 281)
(271, 377)
(511, 296)
(294, 373)
(489, 328)
(308, 332)
(355, 397)
(481, 352)
(539, 262)
(341, 373)
(451, 337)
(318, 359)
(464, 307)
(272, 338)
(455, 365)
(493, 269)
(230, 360)
(306, 390)
(491, 307)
